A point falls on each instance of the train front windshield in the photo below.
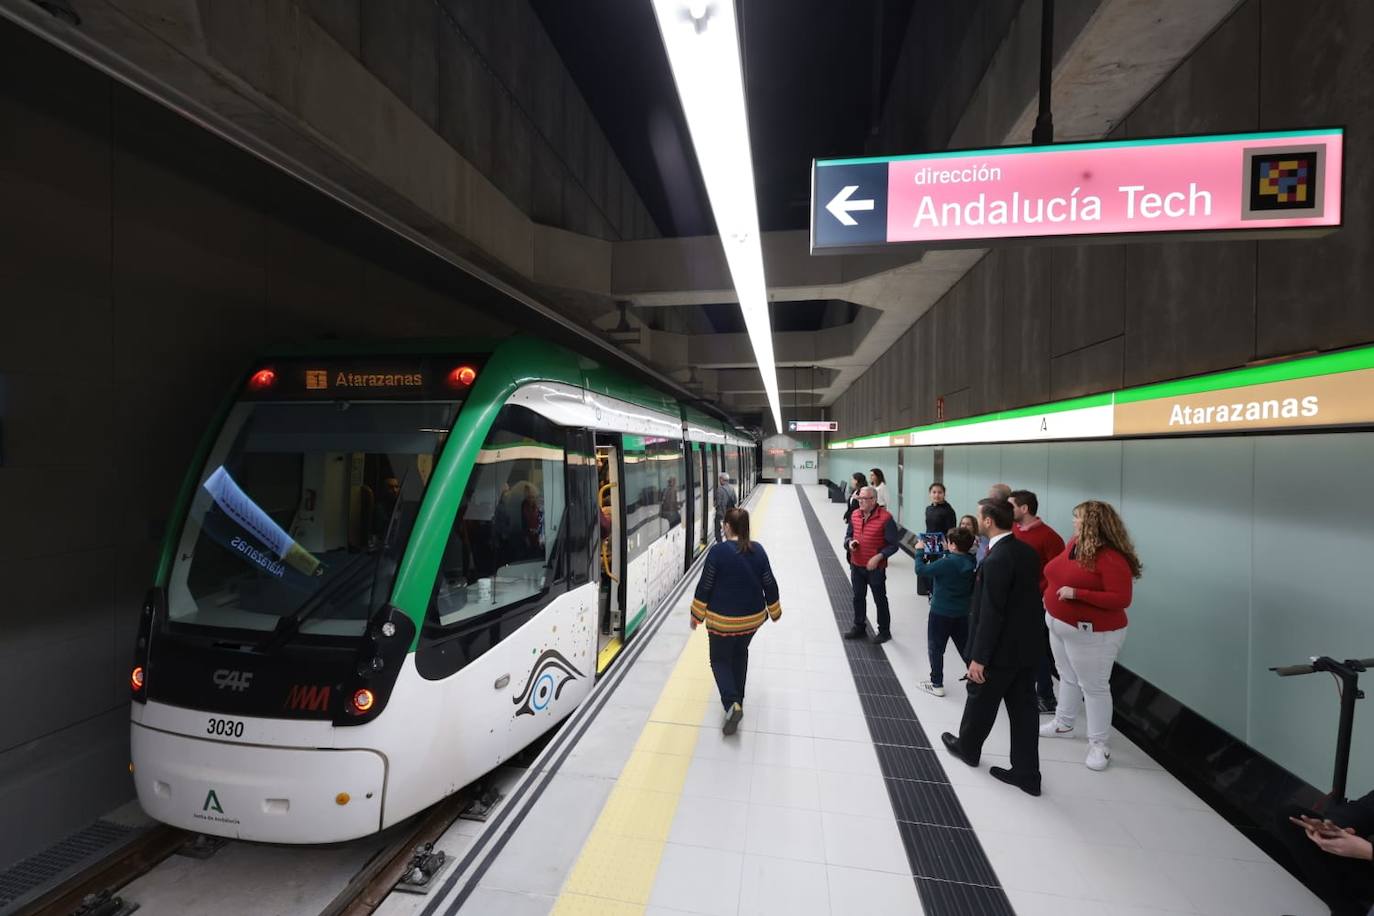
(301, 514)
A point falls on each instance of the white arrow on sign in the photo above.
(840, 205)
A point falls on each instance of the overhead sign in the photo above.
(1279, 180)
(812, 426)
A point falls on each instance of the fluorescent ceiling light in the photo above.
(703, 51)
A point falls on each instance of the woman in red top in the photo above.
(1087, 592)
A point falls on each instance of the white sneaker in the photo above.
(932, 689)
(1055, 729)
(1098, 757)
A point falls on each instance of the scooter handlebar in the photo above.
(1291, 670)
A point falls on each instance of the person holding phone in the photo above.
(939, 518)
(869, 539)
(1335, 852)
(952, 573)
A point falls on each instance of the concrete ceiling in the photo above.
(280, 85)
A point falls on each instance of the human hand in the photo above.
(873, 561)
(695, 622)
(975, 672)
(1344, 843)
(920, 544)
(1066, 593)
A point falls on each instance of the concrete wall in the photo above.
(142, 265)
(1031, 324)
(485, 75)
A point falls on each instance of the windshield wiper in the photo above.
(290, 625)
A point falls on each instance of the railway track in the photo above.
(95, 891)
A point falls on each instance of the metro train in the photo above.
(391, 569)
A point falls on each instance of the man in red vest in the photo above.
(870, 537)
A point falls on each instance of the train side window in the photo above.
(666, 456)
(506, 546)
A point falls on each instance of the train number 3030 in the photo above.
(226, 727)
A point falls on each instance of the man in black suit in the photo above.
(1004, 649)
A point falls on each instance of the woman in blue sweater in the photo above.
(735, 594)
(949, 603)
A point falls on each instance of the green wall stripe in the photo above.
(1092, 400)
(1306, 367)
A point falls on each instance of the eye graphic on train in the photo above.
(548, 677)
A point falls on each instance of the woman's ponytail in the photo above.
(738, 520)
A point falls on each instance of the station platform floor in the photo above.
(835, 796)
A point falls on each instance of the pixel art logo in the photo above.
(1283, 183)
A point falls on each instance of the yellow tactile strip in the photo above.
(615, 872)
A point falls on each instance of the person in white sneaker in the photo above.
(1088, 588)
(952, 574)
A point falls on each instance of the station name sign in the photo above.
(812, 426)
(1220, 185)
(1312, 393)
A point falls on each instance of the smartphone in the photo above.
(1323, 826)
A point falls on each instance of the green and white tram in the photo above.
(389, 570)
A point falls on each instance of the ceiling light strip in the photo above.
(703, 52)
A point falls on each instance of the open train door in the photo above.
(611, 575)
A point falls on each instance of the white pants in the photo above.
(1085, 664)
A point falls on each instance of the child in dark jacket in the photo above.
(952, 576)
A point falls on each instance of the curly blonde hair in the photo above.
(1100, 526)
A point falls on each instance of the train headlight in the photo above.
(362, 700)
(136, 678)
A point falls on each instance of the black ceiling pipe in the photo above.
(1043, 133)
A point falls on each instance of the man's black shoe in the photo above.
(1047, 707)
(1029, 786)
(855, 633)
(882, 637)
(951, 744)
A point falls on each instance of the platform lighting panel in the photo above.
(703, 51)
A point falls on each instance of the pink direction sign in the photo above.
(1285, 180)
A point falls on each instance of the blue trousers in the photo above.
(940, 629)
(730, 665)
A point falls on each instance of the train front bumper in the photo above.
(252, 792)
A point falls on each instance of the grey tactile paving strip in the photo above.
(951, 871)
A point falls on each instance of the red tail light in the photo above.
(462, 377)
(262, 380)
(136, 678)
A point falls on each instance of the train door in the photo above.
(703, 495)
(713, 481)
(611, 591)
(690, 523)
